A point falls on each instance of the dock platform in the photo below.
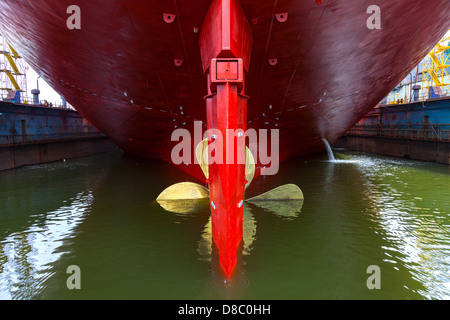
(32, 135)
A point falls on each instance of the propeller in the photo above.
(285, 200)
(185, 197)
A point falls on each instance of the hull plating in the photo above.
(135, 68)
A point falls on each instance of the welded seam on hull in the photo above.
(320, 18)
(185, 53)
(163, 91)
(287, 90)
(128, 15)
(266, 50)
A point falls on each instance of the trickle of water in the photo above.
(329, 150)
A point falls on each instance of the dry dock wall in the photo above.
(435, 151)
(31, 135)
(38, 153)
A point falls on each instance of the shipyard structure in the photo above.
(413, 120)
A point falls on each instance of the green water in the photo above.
(99, 214)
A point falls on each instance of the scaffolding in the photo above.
(13, 70)
(429, 80)
(436, 67)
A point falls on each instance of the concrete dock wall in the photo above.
(39, 153)
(31, 135)
(435, 151)
(19, 119)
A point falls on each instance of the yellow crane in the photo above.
(12, 69)
(436, 66)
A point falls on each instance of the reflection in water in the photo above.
(27, 256)
(219, 284)
(286, 208)
(207, 251)
(362, 211)
(184, 207)
(205, 245)
(284, 201)
(411, 205)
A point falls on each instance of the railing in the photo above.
(424, 95)
(18, 139)
(42, 103)
(435, 132)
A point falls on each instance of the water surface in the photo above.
(99, 213)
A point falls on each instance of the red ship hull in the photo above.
(135, 68)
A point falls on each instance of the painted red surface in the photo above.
(225, 44)
(222, 37)
(119, 70)
(138, 75)
(226, 109)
